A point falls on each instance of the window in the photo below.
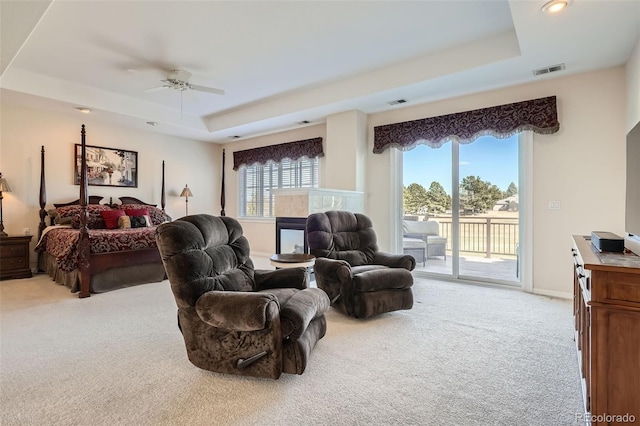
(256, 181)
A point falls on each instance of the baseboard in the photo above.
(552, 293)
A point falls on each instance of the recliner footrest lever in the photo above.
(244, 363)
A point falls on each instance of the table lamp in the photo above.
(4, 187)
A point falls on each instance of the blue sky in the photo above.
(494, 160)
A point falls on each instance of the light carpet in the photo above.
(464, 355)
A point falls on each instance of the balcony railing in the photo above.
(488, 235)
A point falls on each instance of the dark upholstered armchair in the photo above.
(235, 319)
(360, 280)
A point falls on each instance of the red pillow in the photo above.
(137, 212)
(111, 217)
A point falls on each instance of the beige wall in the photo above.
(633, 87)
(23, 131)
(582, 165)
(262, 232)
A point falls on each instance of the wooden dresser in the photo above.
(14, 257)
(607, 321)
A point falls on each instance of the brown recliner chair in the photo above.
(360, 280)
(235, 319)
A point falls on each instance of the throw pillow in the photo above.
(136, 212)
(111, 218)
(140, 221)
(124, 222)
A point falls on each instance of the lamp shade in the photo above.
(4, 184)
(186, 192)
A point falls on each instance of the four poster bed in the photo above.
(93, 247)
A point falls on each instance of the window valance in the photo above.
(310, 148)
(503, 121)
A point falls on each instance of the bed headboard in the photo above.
(93, 199)
(133, 200)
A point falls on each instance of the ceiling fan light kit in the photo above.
(179, 80)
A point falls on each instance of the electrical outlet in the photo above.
(26, 231)
(554, 205)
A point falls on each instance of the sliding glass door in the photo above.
(468, 195)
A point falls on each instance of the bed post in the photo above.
(84, 246)
(43, 196)
(222, 197)
(162, 197)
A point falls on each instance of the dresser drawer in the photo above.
(13, 250)
(11, 263)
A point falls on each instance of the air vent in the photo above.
(547, 70)
(396, 102)
(303, 122)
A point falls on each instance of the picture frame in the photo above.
(107, 166)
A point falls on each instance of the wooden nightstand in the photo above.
(14, 257)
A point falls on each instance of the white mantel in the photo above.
(301, 202)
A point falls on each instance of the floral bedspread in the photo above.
(63, 243)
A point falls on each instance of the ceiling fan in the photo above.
(179, 80)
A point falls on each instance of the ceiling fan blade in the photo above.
(155, 89)
(207, 89)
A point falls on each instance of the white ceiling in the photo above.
(281, 62)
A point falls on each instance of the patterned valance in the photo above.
(309, 148)
(503, 121)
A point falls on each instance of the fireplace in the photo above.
(291, 235)
(293, 205)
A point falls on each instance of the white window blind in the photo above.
(256, 182)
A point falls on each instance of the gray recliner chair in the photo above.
(360, 280)
(235, 319)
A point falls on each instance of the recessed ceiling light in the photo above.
(303, 122)
(152, 123)
(234, 137)
(397, 102)
(83, 110)
(555, 6)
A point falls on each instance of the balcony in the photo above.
(488, 247)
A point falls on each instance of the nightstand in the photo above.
(14, 257)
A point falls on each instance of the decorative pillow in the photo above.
(63, 220)
(140, 221)
(110, 218)
(94, 219)
(136, 212)
(157, 215)
(124, 222)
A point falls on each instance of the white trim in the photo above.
(395, 191)
(455, 210)
(525, 208)
(256, 219)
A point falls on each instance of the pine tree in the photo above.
(414, 198)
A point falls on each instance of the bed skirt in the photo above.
(111, 279)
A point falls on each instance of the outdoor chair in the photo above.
(429, 232)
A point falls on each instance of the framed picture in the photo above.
(108, 166)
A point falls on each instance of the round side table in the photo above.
(292, 260)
